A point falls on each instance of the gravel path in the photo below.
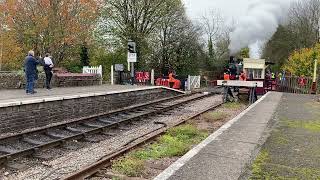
(71, 161)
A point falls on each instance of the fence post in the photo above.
(101, 75)
(189, 83)
(152, 77)
(84, 69)
(112, 83)
(314, 82)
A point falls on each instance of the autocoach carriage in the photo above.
(254, 83)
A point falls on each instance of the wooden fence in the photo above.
(292, 84)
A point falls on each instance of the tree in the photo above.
(176, 43)
(165, 37)
(280, 46)
(299, 31)
(301, 62)
(216, 36)
(55, 26)
(212, 25)
(303, 22)
(135, 20)
(245, 53)
(84, 56)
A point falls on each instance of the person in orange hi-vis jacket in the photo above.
(171, 79)
(226, 76)
(243, 76)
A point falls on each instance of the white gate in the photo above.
(194, 82)
(93, 70)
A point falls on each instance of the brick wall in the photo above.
(13, 80)
(18, 118)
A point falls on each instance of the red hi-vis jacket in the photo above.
(243, 77)
(226, 77)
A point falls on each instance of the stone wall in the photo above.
(13, 80)
(42, 113)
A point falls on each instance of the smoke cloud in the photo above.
(258, 26)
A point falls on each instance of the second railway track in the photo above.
(31, 142)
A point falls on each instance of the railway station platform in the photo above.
(275, 138)
(21, 112)
(19, 95)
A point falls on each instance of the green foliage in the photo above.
(129, 166)
(99, 56)
(170, 40)
(176, 142)
(187, 133)
(257, 167)
(215, 116)
(312, 126)
(279, 48)
(73, 66)
(232, 105)
(245, 53)
(301, 62)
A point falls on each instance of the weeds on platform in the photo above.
(313, 126)
(263, 168)
(257, 166)
(176, 142)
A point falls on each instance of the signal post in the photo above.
(132, 58)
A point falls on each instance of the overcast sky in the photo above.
(227, 8)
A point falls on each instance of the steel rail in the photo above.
(81, 135)
(59, 125)
(106, 161)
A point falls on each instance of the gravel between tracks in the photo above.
(74, 160)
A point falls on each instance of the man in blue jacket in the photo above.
(30, 68)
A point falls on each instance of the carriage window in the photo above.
(257, 73)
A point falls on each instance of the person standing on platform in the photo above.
(30, 68)
(243, 76)
(226, 77)
(48, 65)
(171, 79)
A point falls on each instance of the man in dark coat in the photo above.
(30, 68)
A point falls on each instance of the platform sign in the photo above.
(119, 67)
(240, 83)
(132, 57)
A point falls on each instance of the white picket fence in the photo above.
(93, 70)
(194, 82)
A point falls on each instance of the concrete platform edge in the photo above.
(184, 159)
(61, 98)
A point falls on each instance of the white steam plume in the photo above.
(258, 26)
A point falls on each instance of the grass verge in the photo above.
(176, 142)
(232, 105)
(214, 116)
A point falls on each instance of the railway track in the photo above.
(29, 143)
(106, 162)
